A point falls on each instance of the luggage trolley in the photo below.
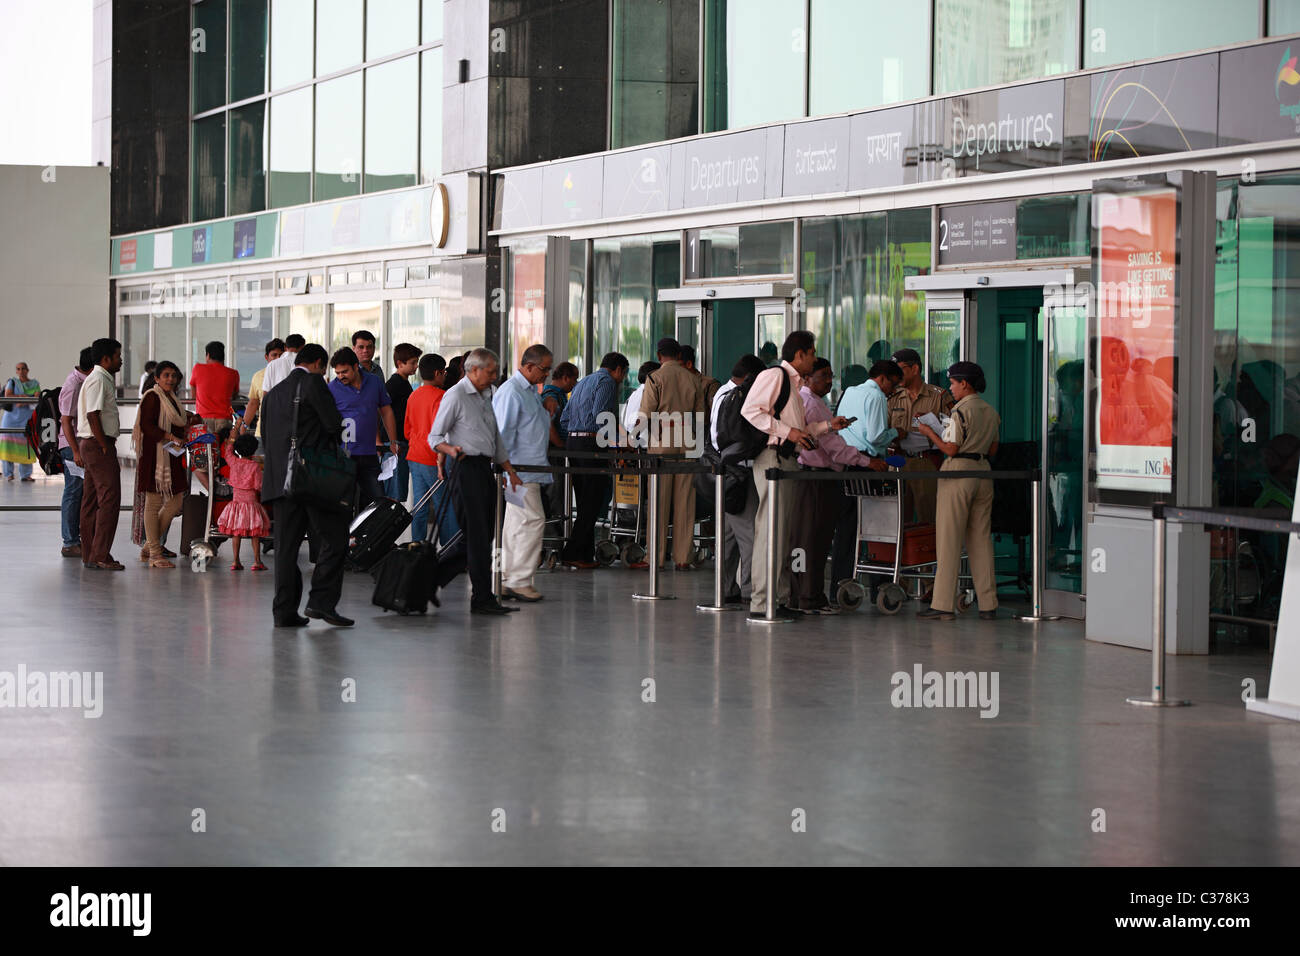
(624, 523)
(881, 529)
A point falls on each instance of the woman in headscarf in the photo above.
(161, 480)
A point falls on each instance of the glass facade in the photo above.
(655, 82)
(291, 146)
(392, 124)
(756, 249)
(986, 42)
(627, 275)
(416, 321)
(1283, 17)
(755, 54)
(867, 53)
(338, 138)
(253, 329)
(1119, 31)
(853, 273)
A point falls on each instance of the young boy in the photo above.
(406, 358)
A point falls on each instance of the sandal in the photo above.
(161, 563)
(236, 566)
(168, 553)
(145, 555)
(258, 567)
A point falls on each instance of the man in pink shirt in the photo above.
(788, 432)
(812, 526)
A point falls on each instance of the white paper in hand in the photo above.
(71, 468)
(174, 449)
(513, 495)
(387, 467)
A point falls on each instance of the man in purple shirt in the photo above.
(71, 506)
(813, 524)
(363, 402)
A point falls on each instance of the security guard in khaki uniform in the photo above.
(671, 401)
(965, 508)
(912, 399)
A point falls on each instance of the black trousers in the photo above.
(844, 550)
(368, 484)
(592, 494)
(473, 494)
(330, 532)
(812, 527)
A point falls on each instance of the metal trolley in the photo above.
(880, 520)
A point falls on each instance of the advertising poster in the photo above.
(527, 301)
(1138, 234)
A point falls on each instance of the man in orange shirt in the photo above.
(214, 384)
(421, 410)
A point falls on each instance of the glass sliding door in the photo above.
(1064, 459)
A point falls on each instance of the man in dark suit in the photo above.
(319, 423)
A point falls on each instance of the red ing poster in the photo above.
(527, 303)
(1138, 234)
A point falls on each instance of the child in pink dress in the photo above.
(245, 517)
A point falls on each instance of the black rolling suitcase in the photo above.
(408, 578)
(376, 530)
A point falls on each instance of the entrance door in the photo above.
(945, 325)
(691, 319)
(1064, 416)
(771, 326)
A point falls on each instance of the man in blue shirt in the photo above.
(592, 407)
(363, 402)
(526, 430)
(869, 404)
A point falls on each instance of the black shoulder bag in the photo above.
(325, 477)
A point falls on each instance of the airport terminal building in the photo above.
(1098, 202)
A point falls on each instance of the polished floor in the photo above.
(536, 724)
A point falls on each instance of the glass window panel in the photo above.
(431, 22)
(867, 53)
(391, 25)
(291, 42)
(764, 248)
(656, 71)
(252, 332)
(754, 55)
(1283, 17)
(208, 176)
(169, 342)
(576, 347)
(350, 317)
(248, 158)
(205, 328)
(1121, 31)
(306, 320)
(209, 62)
(854, 270)
(430, 115)
(338, 137)
(135, 348)
(248, 59)
(338, 35)
(1049, 227)
(627, 274)
(392, 124)
(416, 321)
(291, 148)
(986, 42)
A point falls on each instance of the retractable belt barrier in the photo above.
(641, 463)
(778, 475)
(1272, 521)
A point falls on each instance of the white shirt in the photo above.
(142, 378)
(277, 370)
(637, 437)
(98, 394)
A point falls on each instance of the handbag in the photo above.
(9, 406)
(325, 477)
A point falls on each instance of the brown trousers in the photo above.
(158, 517)
(965, 513)
(676, 502)
(101, 501)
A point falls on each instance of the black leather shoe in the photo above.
(498, 609)
(930, 614)
(296, 621)
(988, 615)
(329, 617)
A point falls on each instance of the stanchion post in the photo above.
(496, 537)
(719, 542)
(652, 543)
(1157, 698)
(1036, 546)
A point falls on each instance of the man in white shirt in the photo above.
(738, 533)
(636, 431)
(278, 370)
(97, 427)
(149, 366)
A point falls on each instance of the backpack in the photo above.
(43, 431)
(738, 439)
